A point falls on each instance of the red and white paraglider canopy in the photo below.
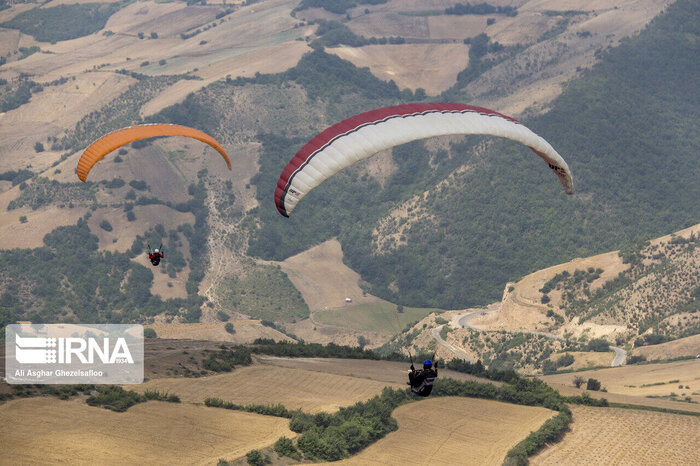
(363, 135)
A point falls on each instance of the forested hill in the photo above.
(627, 129)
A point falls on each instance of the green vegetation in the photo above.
(66, 21)
(333, 33)
(68, 280)
(226, 360)
(27, 51)
(265, 292)
(335, 6)
(316, 350)
(481, 9)
(149, 333)
(42, 192)
(380, 316)
(115, 398)
(285, 447)
(14, 95)
(16, 177)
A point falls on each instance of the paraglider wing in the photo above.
(106, 144)
(363, 135)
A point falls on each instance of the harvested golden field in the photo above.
(46, 430)
(246, 331)
(645, 380)
(294, 388)
(383, 371)
(458, 431)
(625, 436)
(689, 346)
(586, 359)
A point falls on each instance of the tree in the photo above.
(39, 147)
(229, 328)
(255, 458)
(362, 341)
(578, 381)
(593, 384)
(149, 333)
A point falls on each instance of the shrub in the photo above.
(285, 447)
(255, 458)
(149, 333)
(593, 384)
(229, 328)
(105, 225)
(578, 381)
(599, 345)
(23, 219)
(636, 359)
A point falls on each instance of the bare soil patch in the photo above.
(153, 432)
(625, 436)
(322, 279)
(458, 431)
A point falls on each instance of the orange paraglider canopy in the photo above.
(114, 140)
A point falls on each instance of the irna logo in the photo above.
(44, 350)
(74, 353)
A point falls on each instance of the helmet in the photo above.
(156, 250)
(427, 364)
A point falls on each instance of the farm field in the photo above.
(294, 388)
(247, 331)
(645, 380)
(688, 346)
(458, 431)
(382, 371)
(377, 316)
(625, 436)
(46, 430)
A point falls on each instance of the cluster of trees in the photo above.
(115, 398)
(42, 192)
(317, 350)
(15, 97)
(226, 360)
(335, 6)
(16, 176)
(549, 366)
(67, 21)
(333, 33)
(481, 9)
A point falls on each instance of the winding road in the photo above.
(463, 322)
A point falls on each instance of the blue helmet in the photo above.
(427, 364)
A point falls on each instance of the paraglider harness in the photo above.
(155, 256)
(421, 380)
